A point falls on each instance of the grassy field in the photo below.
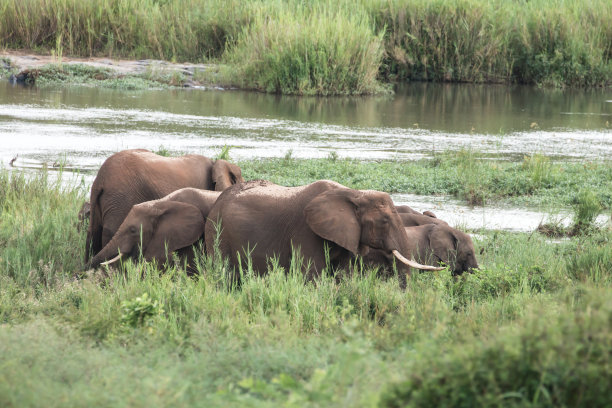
(327, 48)
(532, 327)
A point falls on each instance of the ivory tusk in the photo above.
(115, 259)
(415, 264)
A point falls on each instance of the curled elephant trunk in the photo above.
(414, 264)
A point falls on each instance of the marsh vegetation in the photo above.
(325, 48)
(530, 327)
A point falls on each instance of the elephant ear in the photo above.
(333, 215)
(178, 225)
(443, 243)
(225, 174)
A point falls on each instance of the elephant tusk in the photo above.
(415, 264)
(115, 259)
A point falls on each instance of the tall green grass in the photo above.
(325, 47)
(531, 327)
(309, 50)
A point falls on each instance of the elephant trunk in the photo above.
(109, 254)
(402, 249)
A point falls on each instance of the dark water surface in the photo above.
(82, 126)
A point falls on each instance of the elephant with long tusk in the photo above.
(260, 220)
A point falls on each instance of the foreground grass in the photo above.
(342, 47)
(532, 327)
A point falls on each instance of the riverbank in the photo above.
(104, 72)
(333, 48)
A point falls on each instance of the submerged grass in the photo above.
(344, 47)
(531, 327)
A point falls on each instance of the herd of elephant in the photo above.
(164, 209)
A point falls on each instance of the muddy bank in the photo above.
(20, 61)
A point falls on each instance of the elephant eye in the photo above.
(133, 229)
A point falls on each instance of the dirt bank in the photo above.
(190, 74)
(24, 60)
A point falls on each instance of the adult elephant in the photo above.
(157, 228)
(434, 244)
(260, 220)
(135, 176)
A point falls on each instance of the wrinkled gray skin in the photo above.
(135, 176)
(173, 223)
(432, 244)
(271, 220)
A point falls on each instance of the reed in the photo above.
(322, 47)
(310, 50)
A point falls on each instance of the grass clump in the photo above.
(309, 51)
(586, 209)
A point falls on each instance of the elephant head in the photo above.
(225, 174)
(442, 243)
(155, 229)
(360, 221)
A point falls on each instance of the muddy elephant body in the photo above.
(260, 220)
(157, 228)
(135, 176)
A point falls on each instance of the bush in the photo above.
(312, 51)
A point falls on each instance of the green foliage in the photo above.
(463, 174)
(312, 50)
(530, 327)
(80, 74)
(139, 311)
(586, 208)
(39, 242)
(162, 151)
(224, 154)
(328, 48)
(547, 361)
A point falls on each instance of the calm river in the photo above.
(81, 126)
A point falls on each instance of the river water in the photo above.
(81, 126)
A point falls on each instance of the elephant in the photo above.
(413, 220)
(159, 227)
(261, 220)
(434, 243)
(131, 177)
(404, 209)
